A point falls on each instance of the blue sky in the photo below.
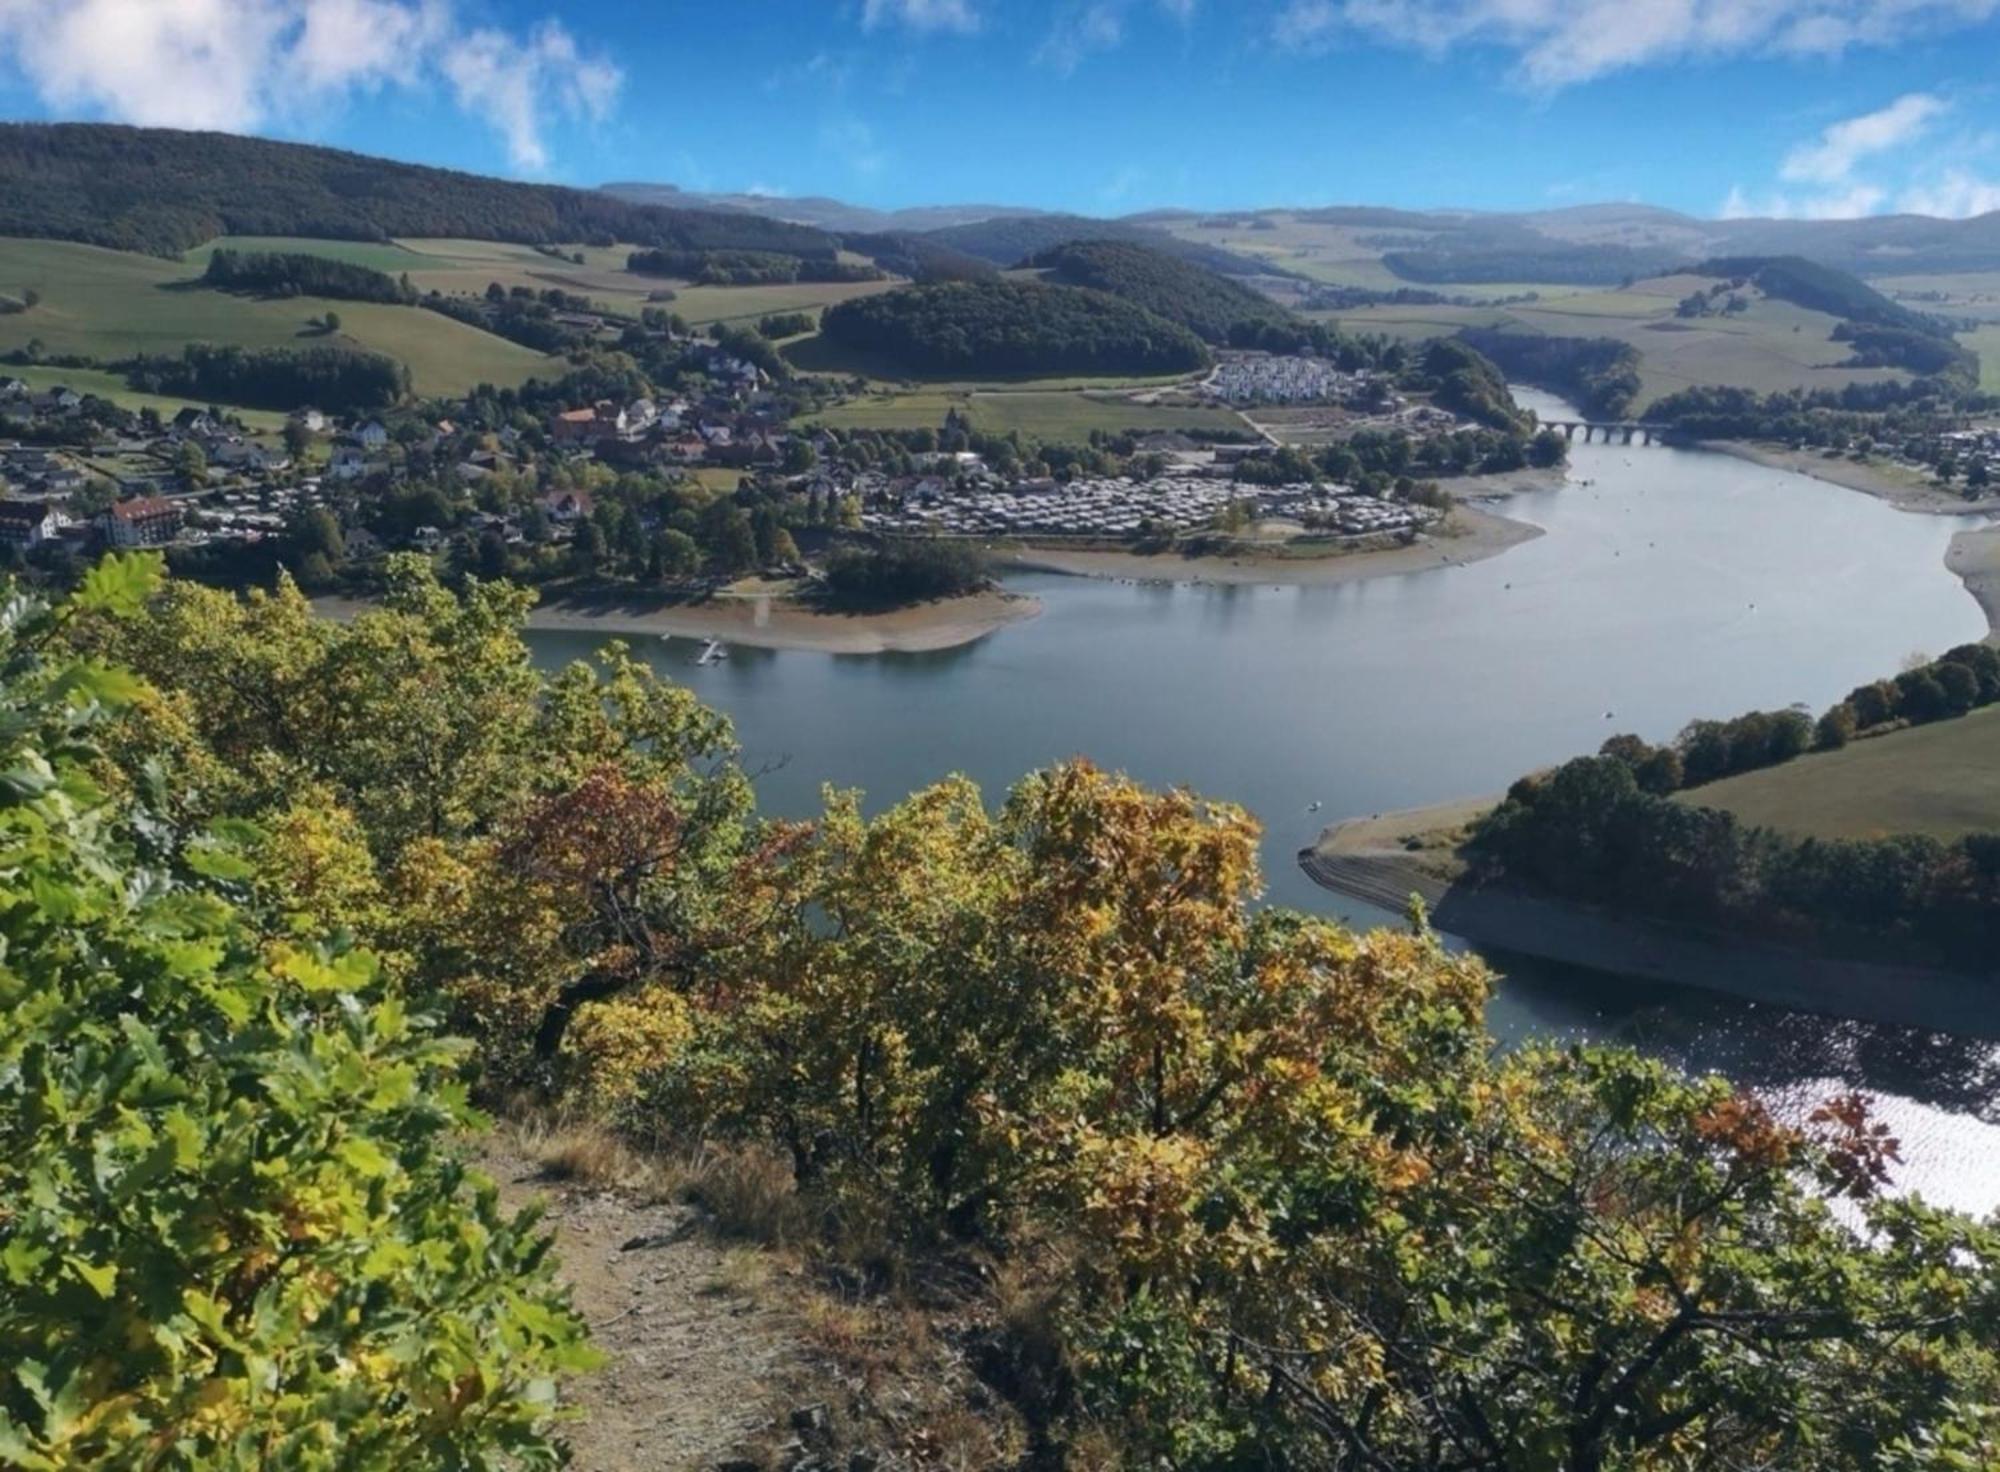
(1802, 107)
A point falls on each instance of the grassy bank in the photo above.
(1942, 780)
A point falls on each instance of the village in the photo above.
(82, 474)
(1130, 508)
(1246, 379)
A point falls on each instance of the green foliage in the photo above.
(1900, 347)
(233, 1232)
(342, 380)
(1591, 831)
(1211, 306)
(906, 570)
(748, 267)
(786, 324)
(1462, 380)
(1527, 255)
(270, 273)
(919, 257)
(1600, 374)
(976, 329)
(1008, 240)
(163, 192)
(1822, 288)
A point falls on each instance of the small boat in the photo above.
(1312, 807)
(713, 653)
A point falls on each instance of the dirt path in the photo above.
(696, 1365)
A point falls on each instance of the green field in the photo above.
(110, 305)
(1774, 345)
(385, 256)
(1060, 415)
(111, 386)
(1942, 779)
(745, 304)
(1986, 343)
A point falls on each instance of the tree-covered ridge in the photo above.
(1821, 288)
(162, 192)
(289, 273)
(1010, 240)
(745, 267)
(1214, 308)
(919, 257)
(1463, 380)
(1011, 327)
(1525, 256)
(341, 380)
(1599, 374)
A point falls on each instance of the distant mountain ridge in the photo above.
(821, 213)
(162, 192)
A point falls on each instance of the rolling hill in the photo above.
(162, 192)
(1009, 328)
(1009, 242)
(112, 305)
(834, 216)
(1213, 307)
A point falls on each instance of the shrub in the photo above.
(906, 571)
(234, 1232)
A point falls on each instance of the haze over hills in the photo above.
(818, 211)
(1593, 235)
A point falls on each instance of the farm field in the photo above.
(463, 267)
(1942, 780)
(111, 386)
(109, 305)
(745, 304)
(1067, 415)
(1986, 343)
(468, 267)
(1774, 345)
(1966, 294)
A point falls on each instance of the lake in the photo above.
(1671, 584)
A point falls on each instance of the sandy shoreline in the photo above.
(1476, 535)
(771, 622)
(1882, 482)
(1974, 554)
(1369, 859)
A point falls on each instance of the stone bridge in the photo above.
(1624, 431)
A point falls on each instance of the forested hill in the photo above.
(162, 192)
(1821, 288)
(1011, 327)
(1211, 306)
(1008, 242)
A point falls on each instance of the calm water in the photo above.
(1675, 584)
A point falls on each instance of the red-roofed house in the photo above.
(150, 522)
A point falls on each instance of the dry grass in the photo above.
(748, 1193)
(745, 1192)
(583, 1152)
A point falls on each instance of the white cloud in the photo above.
(957, 16)
(1955, 194)
(1085, 26)
(1861, 165)
(237, 65)
(1849, 203)
(1561, 42)
(1831, 157)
